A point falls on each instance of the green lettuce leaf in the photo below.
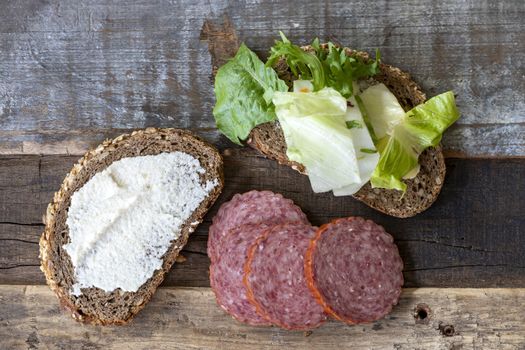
(422, 127)
(244, 88)
(366, 117)
(367, 155)
(383, 110)
(326, 68)
(315, 127)
(326, 102)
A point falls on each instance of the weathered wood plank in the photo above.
(72, 69)
(188, 318)
(77, 142)
(471, 237)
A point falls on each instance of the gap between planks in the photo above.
(183, 318)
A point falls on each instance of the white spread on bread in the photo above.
(123, 220)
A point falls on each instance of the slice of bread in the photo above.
(421, 191)
(95, 305)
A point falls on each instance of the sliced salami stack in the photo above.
(240, 226)
(252, 207)
(269, 266)
(227, 274)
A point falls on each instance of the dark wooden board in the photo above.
(471, 237)
(73, 73)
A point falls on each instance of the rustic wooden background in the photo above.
(73, 73)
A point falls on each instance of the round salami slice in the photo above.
(251, 208)
(226, 274)
(354, 270)
(275, 280)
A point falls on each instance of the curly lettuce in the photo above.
(330, 67)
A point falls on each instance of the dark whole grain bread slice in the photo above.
(421, 191)
(95, 305)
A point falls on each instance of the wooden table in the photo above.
(73, 73)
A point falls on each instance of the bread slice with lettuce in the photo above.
(354, 125)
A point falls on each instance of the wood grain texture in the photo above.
(188, 318)
(73, 73)
(471, 237)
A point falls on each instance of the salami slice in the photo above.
(354, 270)
(251, 208)
(226, 274)
(275, 279)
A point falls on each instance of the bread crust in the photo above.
(421, 191)
(56, 264)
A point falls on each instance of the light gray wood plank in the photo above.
(83, 69)
(189, 318)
